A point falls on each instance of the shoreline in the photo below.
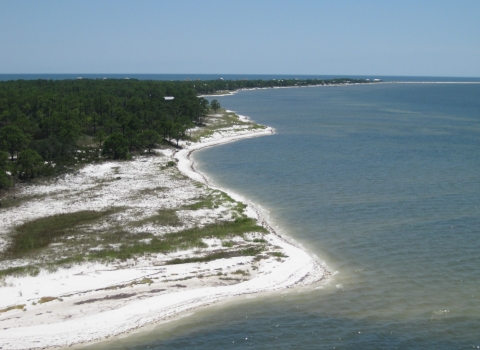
(187, 166)
(286, 87)
(347, 84)
(87, 325)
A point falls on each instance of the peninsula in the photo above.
(107, 245)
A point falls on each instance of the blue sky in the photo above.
(421, 38)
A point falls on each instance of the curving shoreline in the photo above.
(187, 166)
(297, 269)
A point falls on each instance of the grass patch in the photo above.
(14, 307)
(230, 279)
(227, 120)
(166, 217)
(240, 207)
(260, 257)
(193, 237)
(204, 203)
(227, 198)
(199, 184)
(117, 243)
(220, 255)
(108, 297)
(44, 300)
(69, 261)
(214, 200)
(181, 240)
(20, 271)
(144, 281)
(39, 233)
(278, 254)
(177, 175)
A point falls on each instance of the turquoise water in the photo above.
(382, 182)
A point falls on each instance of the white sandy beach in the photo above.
(93, 301)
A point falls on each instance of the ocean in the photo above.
(382, 183)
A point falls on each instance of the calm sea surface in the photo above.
(382, 182)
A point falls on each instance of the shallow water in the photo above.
(382, 183)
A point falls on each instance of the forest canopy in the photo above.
(60, 122)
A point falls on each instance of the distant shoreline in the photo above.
(202, 77)
(327, 85)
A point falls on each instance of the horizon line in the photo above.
(299, 74)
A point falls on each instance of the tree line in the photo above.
(46, 125)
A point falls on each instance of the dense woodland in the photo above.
(47, 125)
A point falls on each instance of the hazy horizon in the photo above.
(428, 38)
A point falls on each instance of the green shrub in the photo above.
(115, 146)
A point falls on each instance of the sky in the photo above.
(341, 37)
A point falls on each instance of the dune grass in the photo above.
(165, 217)
(15, 307)
(52, 228)
(252, 251)
(182, 240)
(77, 237)
(44, 300)
(20, 271)
(39, 233)
(227, 120)
(214, 200)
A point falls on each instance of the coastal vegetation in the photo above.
(225, 86)
(118, 230)
(64, 239)
(52, 127)
(109, 233)
(46, 126)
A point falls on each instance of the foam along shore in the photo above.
(92, 301)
